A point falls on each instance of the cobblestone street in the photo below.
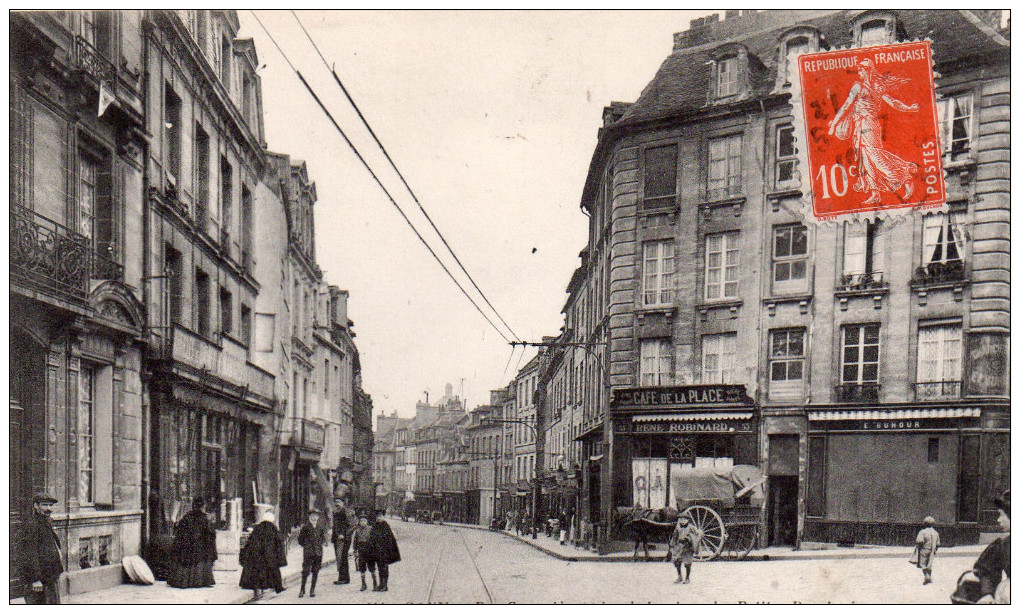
(459, 565)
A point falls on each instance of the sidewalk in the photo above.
(225, 591)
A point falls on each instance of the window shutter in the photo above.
(108, 397)
(855, 242)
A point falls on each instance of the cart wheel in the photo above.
(741, 541)
(713, 532)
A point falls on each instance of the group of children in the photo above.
(374, 545)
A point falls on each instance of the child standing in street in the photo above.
(927, 544)
(311, 539)
(361, 562)
(684, 542)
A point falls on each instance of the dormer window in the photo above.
(873, 28)
(795, 41)
(727, 77)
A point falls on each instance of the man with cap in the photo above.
(343, 529)
(311, 539)
(992, 567)
(42, 563)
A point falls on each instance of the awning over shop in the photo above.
(694, 416)
(895, 414)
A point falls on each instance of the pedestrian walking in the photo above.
(563, 525)
(194, 549)
(992, 567)
(683, 543)
(361, 555)
(262, 557)
(927, 545)
(311, 538)
(42, 564)
(343, 529)
(382, 548)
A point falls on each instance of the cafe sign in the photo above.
(694, 426)
(688, 395)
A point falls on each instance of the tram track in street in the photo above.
(435, 582)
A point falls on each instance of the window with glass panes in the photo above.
(860, 354)
(786, 354)
(86, 433)
(88, 171)
(658, 272)
(939, 351)
(727, 81)
(786, 157)
(718, 357)
(874, 32)
(656, 365)
(956, 121)
(942, 238)
(789, 254)
(724, 166)
(863, 260)
(659, 169)
(722, 256)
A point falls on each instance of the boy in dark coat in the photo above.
(382, 548)
(195, 549)
(262, 557)
(41, 563)
(361, 536)
(311, 539)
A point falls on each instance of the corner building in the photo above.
(863, 366)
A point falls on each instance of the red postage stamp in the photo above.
(871, 129)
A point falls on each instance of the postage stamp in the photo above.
(870, 130)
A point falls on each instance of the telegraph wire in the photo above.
(400, 174)
(374, 176)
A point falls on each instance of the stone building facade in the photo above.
(719, 287)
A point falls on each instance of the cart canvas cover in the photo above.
(720, 485)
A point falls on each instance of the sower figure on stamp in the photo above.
(343, 529)
(683, 543)
(877, 169)
(42, 564)
(927, 545)
(311, 539)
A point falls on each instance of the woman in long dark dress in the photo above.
(382, 549)
(262, 557)
(194, 549)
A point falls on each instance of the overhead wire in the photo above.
(407, 186)
(364, 163)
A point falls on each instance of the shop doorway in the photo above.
(783, 511)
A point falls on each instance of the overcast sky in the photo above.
(492, 117)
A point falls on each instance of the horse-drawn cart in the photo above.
(724, 506)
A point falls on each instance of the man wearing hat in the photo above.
(343, 529)
(992, 567)
(311, 539)
(42, 563)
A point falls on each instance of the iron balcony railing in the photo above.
(308, 435)
(48, 257)
(861, 281)
(866, 392)
(90, 61)
(929, 391)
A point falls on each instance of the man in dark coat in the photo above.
(262, 557)
(194, 548)
(382, 548)
(343, 529)
(311, 539)
(42, 563)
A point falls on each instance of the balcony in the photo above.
(93, 64)
(857, 282)
(937, 391)
(308, 435)
(857, 392)
(939, 273)
(49, 258)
